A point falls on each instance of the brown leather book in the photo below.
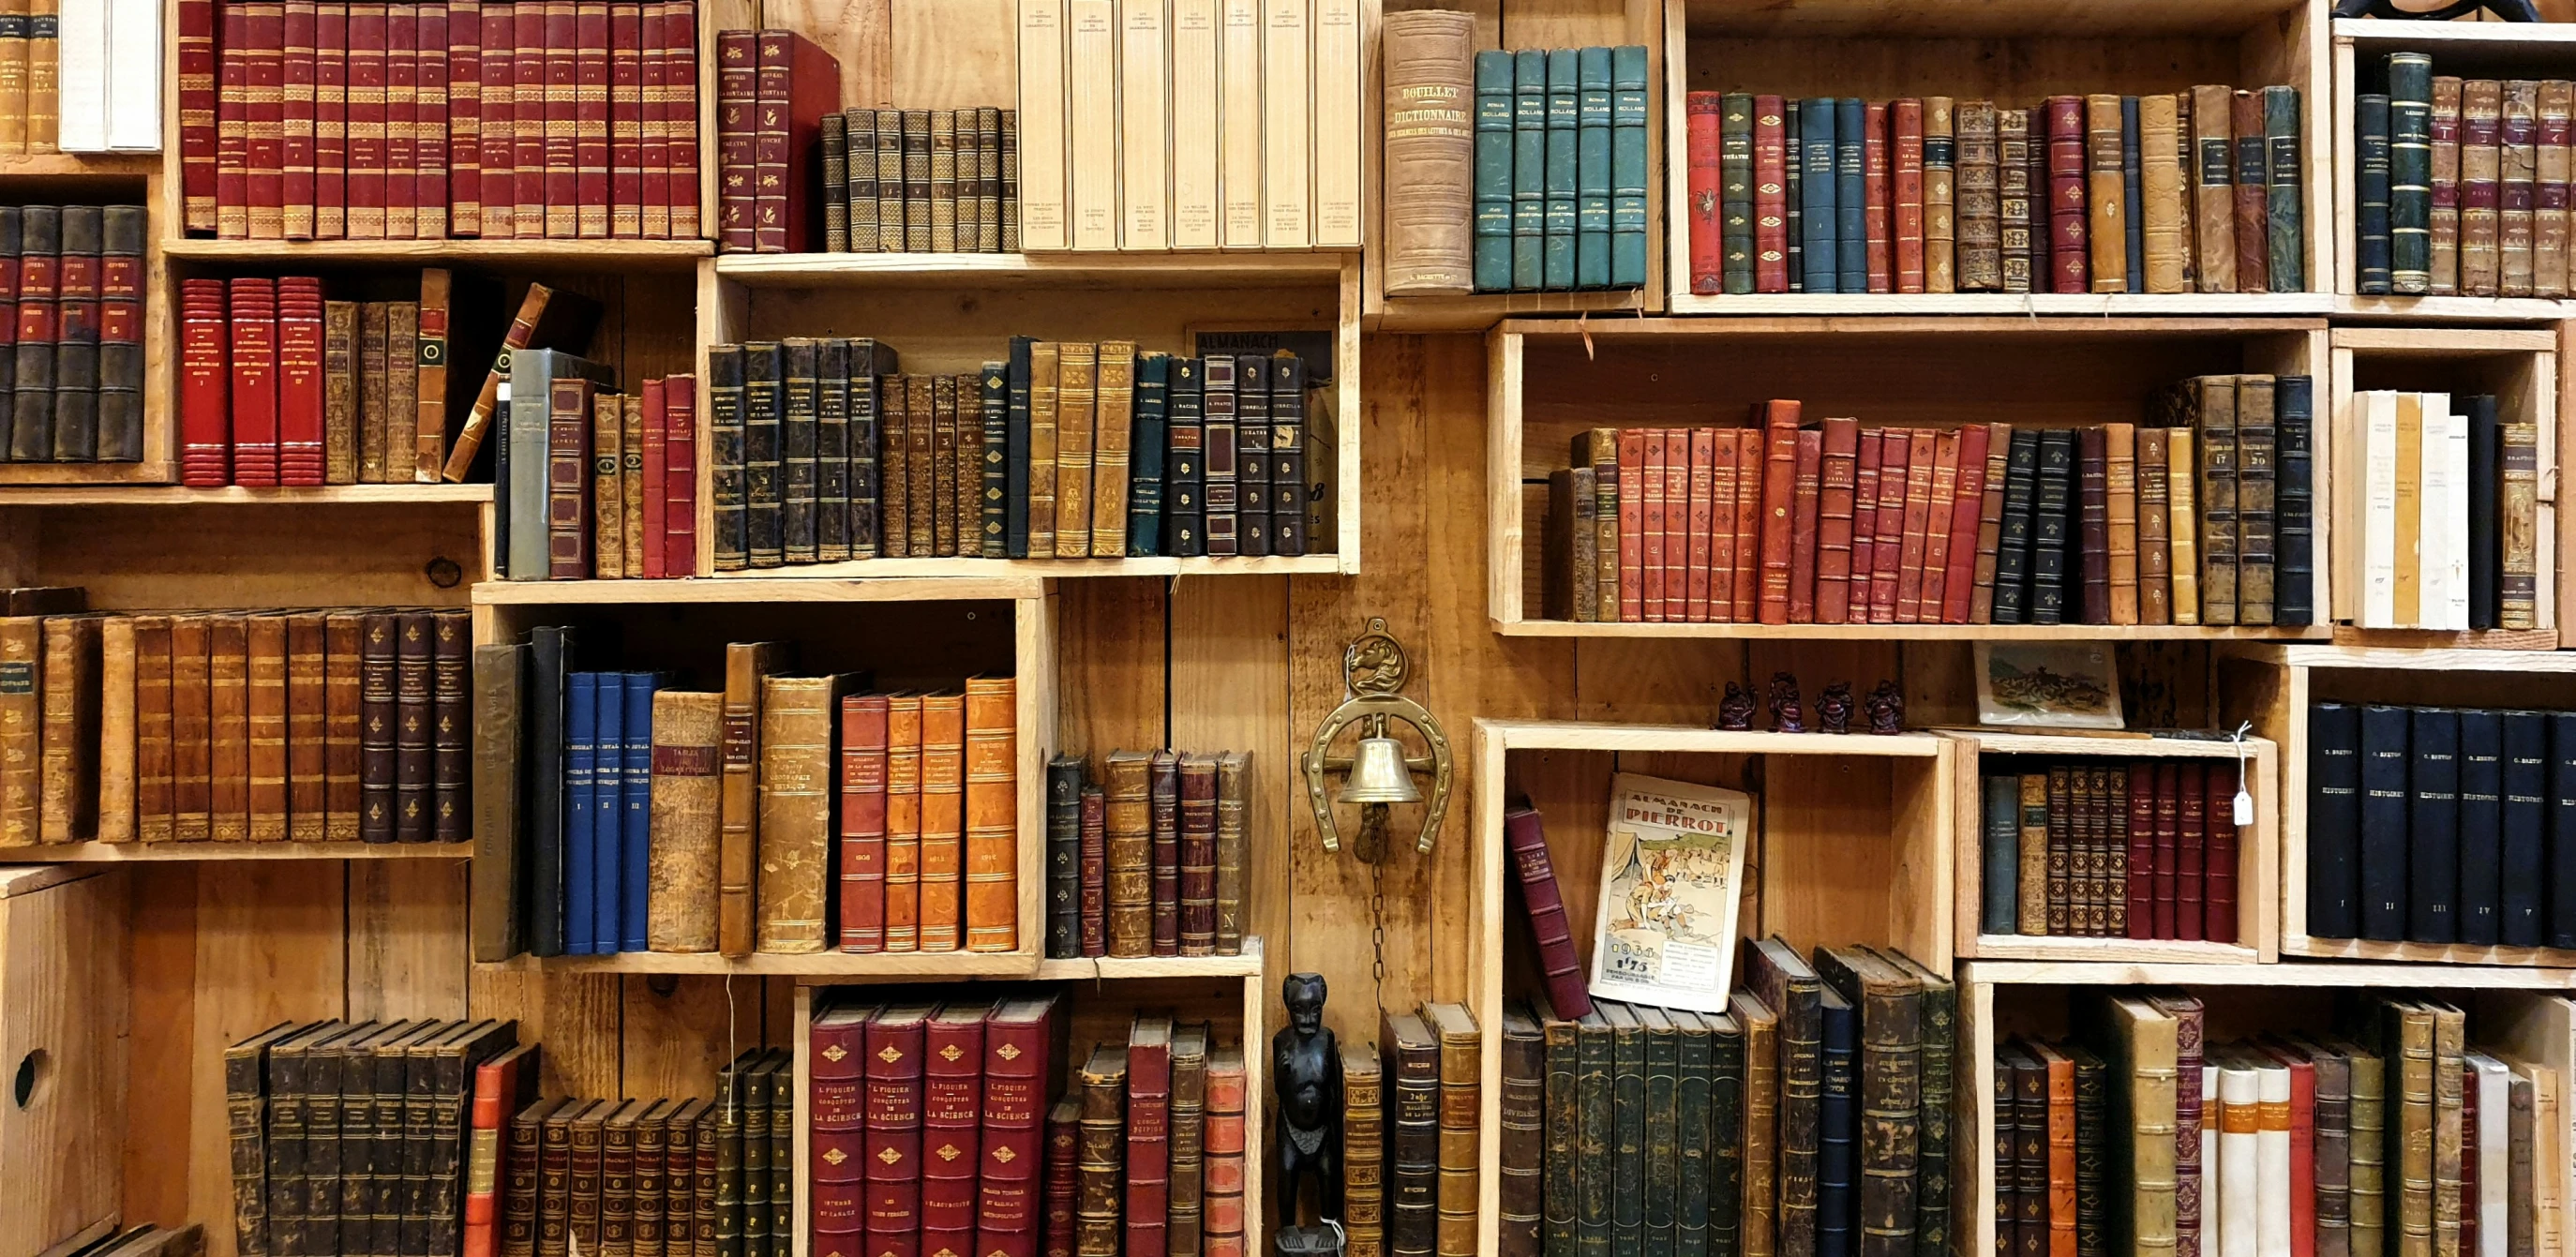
(921, 465)
(894, 466)
(340, 392)
(1411, 1056)
(1116, 413)
(307, 713)
(2515, 188)
(2481, 182)
(1887, 551)
(797, 719)
(1429, 171)
(192, 725)
(501, 679)
(1461, 1074)
(228, 705)
(945, 536)
(2161, 177)
(2253, 256)
(2155, 555)
(1779, 480)
(1101, 1149)
(1761, 1174)
(1920, 449)
(686, 821)
(1233, 813)
(152, 746)
(1092, 869)
(1046, 371)
(22, 716)
(1934, 579)
(607, 476)
(1750, 453)
(1980, 267)
(1808, 502)
(903, 823)
(115, 762)
(2061, 1146)
(1363, 1152)
(2213, 212)
(2444, 224)
(943, 820)
(2106, 225)
(992, 814)
(1836, 486)
(378, 717)
(343, 719)
(1077, 390)
(738, 857)
(1146, 1191)
(415, 664)
(1130, 854)
(1523, 1117)
(1990, 523)
(265, 636)
(67, 792)
(1163, 791)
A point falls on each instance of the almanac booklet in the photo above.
(1672, 872)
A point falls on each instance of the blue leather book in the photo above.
(1837, 1127)
(2294, 500)
(2370, 192)
(2526, 806)
(2334, 819)
(2285, 235)
(1563, 111)
(2433, 826)
(2410, 172)
(2481, 826)
(1493, 236)
(1015, 481)
(635, 822)
(550, 651)
(607, 811)
(1185, 467)
(1529, 169)
(2562, 829)
(2385, 764)
(2001, 875)
(1628, 144)
(1794, 193)
(581, 770)
(1145, 476)
(1816, 190)
(2132, 193)
(1851, 204)
(1591, 168)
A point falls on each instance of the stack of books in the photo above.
(2441, 825)
(2141, 849)
(1561, 151)
(921, 181)
(591, 484)
(2192, 191)
(340, 725)
(1152, 864)
(95, 102)
(2201, 516)
(2460, 186)
(1066, 450)
(1427, 1169)
(2440, 497)
(446, 118)
(783, 815)
(74, 382)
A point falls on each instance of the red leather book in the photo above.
(657, 478)
(1707, 242)
(2253, 249)
(1149, 1137)
(1990, 523)
(1022, 1043)
(1526, 832)
(2142, 849)
(529, 71)
(429, 124)
(1905, 139)
(680, 114)
(1677, 448)
(1873, 182)
(562, 153)
(402, 121)
(299, 384)
(737, 152)
(2068, 256)
(254, 357)
(295, 142)
(1921, 449)
(497, 131)
(568, 423)
(1224, 1170)
(503, 1086)
(232, 130)
(590, 119)
(1749, 464)
(894, 1109)
(464, 179)
(626, 121)
(197, 107)
(1802, 527)
(2303, 1152)
(680, 515)
(1063, 1139)
(1837, 480)
(1779, 487)
(1632, 525)
(2167, 857)
(267, 120)
(2191, 785)
(1724, 445)
(365, 193)
(1864, 534)
(205, 385)
(653, 144)
(1959, 581)
(1887, 558)
(1770, 196)
(1936, 528)
(799, 83)
(1650, 483)
(952, 1125)
(1702, 518)
(331, 121)
(836, 1108)
(863, 817)
(2218, 861)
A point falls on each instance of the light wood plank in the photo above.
(407, 942)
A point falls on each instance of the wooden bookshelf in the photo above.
(607, 255)
(236, 495)
(134, 852)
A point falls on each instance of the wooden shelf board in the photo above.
(1088, 968)
(1474, 312)
(2426, 953)
(2444, 342)
(961, 568)
(762, 589)
(117, 852)
(2013, 947)
(2322, 655)
(1127, 271)
(1997, 19)
(2214, 305)
(1912, 323)
(2133, 973)
(1584, 735)
(1903, 632)
(829, 964)
(80, 165)
(2457, 34)
(174, 495)
(2010, 742)
(587, 254)
(2454, 309)
(142, 473)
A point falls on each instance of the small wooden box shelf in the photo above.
(113, 179)
(1549, 380)
(2257, 862)
(63, 978)
(162, 547)
(2013, 52)
(1853, 843)
(2520, 368)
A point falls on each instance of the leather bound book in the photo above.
(1197, 820)
(737, 106)
(894, 1108)
(2106, 219)
(2550, 188)
(2212, 198)
(746, 663)
(1413, 1059)
(1889, 1094)
(2151, 477)
(1662, 1101)
(2294, 500)
(1959, 526)
(191, 729)
(1225, 1223)
(2443, 136)
(2054, 537)
(1430, 155)
(1802, 525)
(953, 1054)
(1364, 1145)
(519, 1177)
(2022, 194)
(1459, 1049)
(1024, 1048)
(2120, 462)
(797, 717)
(1590, 1175)
(1063, 1123)
(1163, 793)
(2214, 420)
(1654, 563)
(1990, 523)
(71, 646)
(2517, 186)
(942, 852)
(684, 821)
(1887, 548)
(1101, 1149)
(1788, 987)
(2063, 121)
(1130, 854)
(153, 750)
(1977, 191)
(991, 816)
(1523, 829)
(1146, 1197)
(1837, 1157)
(1836, 485)
(2092, 1160)
(1935, 466)
(617, 1177)
(1523, 1116)
(2219, 860)
(2139, 821)
(894, 466)
(2256, 488)
(2525, 784)
(1779, 484)
(2042, 884)
(2093, 529)
(1064, 847)
(66, 767)
(451, 634)
(2252, 158)
(345, 705)
(862, 821)
(1095, 871)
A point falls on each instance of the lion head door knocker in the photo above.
(1379, 774)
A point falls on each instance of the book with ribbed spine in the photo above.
(1364, 1144)
(1524, 1130)
(1791, 990)
(1888, 1001)
(1523, 827)
(1412, 1064)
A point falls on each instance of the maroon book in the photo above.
(1874, 197)
(2142, 849)
(1149, 1137)
(1770, 196)
(1837, 481)
(680, 114)
(2190, 843)
(1802, 528)
(429, 124)
(497, 134)
(2166, 860)
(1864, 526)
(254, 358)
(1677, 503)
(1094, 872)
(798, 84)
(737, 109)
(590, 120)
(894, 1109)
(680, 514)
(528, 70)
(1164, 778)
(561, 165)
(464, 175)
(1198, 858)
(1887, 558)
(1779, 491)
(402, 113)
(2218, 860)
(863, 822)
(626, 121)
(267, 121)
(1959, 581)
(365, 176)
(2068, 256)
(232, 127)
(1527, 834)
(952, 1125)
(1063, 1139)
(295, 147)
(197, 106)
(653, 135)
(836, 1098)
(330, 121)
(1021, 1049)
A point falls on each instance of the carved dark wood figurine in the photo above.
(2509, 10)
(1834, 707)
(1735, 711)
(1787, 714)
(1306, 1069)
(1886, 709)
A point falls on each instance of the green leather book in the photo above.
(2282, 228)
(1663, 1155)
(1691, 1079)
(1561, 181)
(1939, 1063)
(1593, 1104)
(1889, 1001)
(1726, 1114)
(1564, 1101)
(1529, 169)
(1627, 1129)
(1591, 167)
(1493, 235)
(1791, 991)
(1628, 166)
(1735, 191)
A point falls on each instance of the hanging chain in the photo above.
(1377, 932)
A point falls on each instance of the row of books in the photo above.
(2142, 850)
(921, 180)
(2444, 498)
(352, 1137)
(2461, 185)
(71, 307)
(2391, 1133)
(783, 814)
(2202, 515)
(1560, 169)
(1067, 450)
(1409, 1179)
(1215, 124)
(344, 725)
(659, 1176)
(1637, 1128)
(2167, 193)
(145, 1240)
(88, 81)
(1151, 862)
(2441, 825)
(592, 484)
(444, 118)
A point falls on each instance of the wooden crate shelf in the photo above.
(1028, 270)
(759, 587)
(826, 965)
(137, 852)
(966, 568)
(2257, 854)
(175, 495)
(286, 255)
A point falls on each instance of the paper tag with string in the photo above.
(2244, 798)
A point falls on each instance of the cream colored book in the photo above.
(1239, 86)
(1336, 123)
(2455, 551)
(1042, 139)
(1145, 122)
(2182, 526)
(2374, 471)
(2439, 501)
(1287, 174)
(2406, 583)
(1196, 124)
(1091, 119)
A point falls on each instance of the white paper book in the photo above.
(134, 76)
(2434, 506)
(1144, 119)
(1043, 225)
(1197, 124)
(82, 64)
(1287, 177)
(1337, 124)
(2375, 465)
(2493, 1096)
(1239, 82)
(2455, 580)
(1091, 119)
(1672, 874)
(2240, 1156)
(2272, 1155)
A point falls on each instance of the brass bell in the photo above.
(1378, 774)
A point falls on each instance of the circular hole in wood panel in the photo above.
(33, 1069)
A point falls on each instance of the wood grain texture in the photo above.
(161, 940)
(407, 948)
(63, 983)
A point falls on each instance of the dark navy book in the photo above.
(2334, 820)
(635, 825)
(2433, 828)
(2526, 812)
(607, 810)
(580, 771)
(2481, 826)
(2384, 819)
(1837, 1128)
